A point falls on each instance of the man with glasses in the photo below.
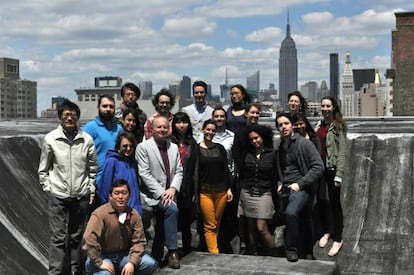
(163, 102)
(130, 94)
(114, 237)
(103, 129)
(67, 171)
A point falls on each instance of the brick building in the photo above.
(403, 64)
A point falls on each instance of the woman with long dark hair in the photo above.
(182, 135)
(130, 123)
(236, 115)
(258, 177)
(331, 131)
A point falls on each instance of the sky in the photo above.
(64, 45)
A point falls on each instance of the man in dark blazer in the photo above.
(161, 173)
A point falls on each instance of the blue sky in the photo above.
(64, 44)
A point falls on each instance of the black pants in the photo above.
(337, 225)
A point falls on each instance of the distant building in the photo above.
(186, 91)
(269, 94)
(314, 109)
(269, 98)
(372, 101)
(310, 91)
(253, 85)
(390, 76)
(182, 89)
(324, 90)
(87, 98)
(146, 89)
(403, 64)
(18, 97)
(225, 91)
(334, 75)
(372, 98)
(52, 112)
(363, 76)
(288, 68)
(174, 87)
(349, 97)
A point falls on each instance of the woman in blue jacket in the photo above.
(121, 164)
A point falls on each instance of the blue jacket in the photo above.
(117, 166)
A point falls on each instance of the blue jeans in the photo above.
(147, 265)
(293, 204)
(170, 224)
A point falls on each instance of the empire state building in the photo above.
(288, 68)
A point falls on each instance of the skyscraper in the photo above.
(334, 75)
(253, 84)
(324, 90)
(146, 89)
(288, 67)
(350, 99)
(225, 91)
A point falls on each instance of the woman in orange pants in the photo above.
(212, 183)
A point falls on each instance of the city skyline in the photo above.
(63, 45)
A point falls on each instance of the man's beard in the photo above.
(106, 116)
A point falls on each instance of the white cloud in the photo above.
(66, 43)
(246, 8)
(268, 34)
(196, 28)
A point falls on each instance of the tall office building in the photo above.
(349, 97)
(253, 84)
(334, 75)
(18, 96)
(324, 90)
(403, 63)
(288, 68)
(225, 91)
(146, 89)
(363, 76)
(310, 91)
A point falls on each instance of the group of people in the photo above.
(108, 180)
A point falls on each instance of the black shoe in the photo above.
(242, 250)
(309, 257)
(173, 260)
(277, 251)
(291, 255)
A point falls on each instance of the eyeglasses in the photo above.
(130, 94)
(163, 102)
(67, 115)
(127, 146)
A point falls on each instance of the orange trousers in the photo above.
(212, 207)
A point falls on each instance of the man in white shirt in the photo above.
(199, 111)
